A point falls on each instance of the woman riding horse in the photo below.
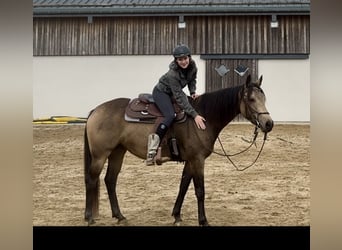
(182, 72)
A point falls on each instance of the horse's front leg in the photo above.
(198, 177)
(183, 188)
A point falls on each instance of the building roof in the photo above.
(168, 7)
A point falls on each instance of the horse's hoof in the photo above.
(206, 224)
(123, 222)
(91, 222)
(177, 222)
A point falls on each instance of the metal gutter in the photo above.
(187, 10)
(254, 56)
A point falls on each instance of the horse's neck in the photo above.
(220, 126)
(219, 108)
(224, 119)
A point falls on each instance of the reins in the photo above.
(225, 154)
(249, 111)
(230, 155)
(253, 142)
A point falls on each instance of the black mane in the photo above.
(220, 105)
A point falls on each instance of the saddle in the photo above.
(143, 109)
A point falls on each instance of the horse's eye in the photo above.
(251, 99)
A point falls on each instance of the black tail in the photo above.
(86, 151)
(87, 155)
(92, 190)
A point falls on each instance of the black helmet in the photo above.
(181, 50)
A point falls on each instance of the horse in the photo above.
(108, 136)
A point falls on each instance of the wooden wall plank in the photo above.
(158, 35)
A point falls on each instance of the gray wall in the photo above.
(72, 86)
(287, 87)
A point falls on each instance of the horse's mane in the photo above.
(219, 105)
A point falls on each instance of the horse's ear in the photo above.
(259, 81)
(248, 80)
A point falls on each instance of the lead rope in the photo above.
(253, 142)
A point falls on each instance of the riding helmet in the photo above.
(181, 50)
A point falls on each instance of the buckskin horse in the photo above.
(109, 135)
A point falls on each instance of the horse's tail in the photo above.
(87, 155)
(92, 192)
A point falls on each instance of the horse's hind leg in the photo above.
(183, 188)
(92, 184)
(114, 166)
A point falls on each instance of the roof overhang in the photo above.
(170, 10)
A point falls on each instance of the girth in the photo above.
(144, 110)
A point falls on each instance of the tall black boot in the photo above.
(161, 131)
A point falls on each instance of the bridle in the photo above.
(252, 113)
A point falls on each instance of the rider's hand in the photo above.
(194, 96)
(199, 120)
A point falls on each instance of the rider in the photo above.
(182, 72)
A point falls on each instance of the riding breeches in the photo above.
(165, 105)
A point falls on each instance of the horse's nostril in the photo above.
(269, 125)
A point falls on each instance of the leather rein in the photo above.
(252, 113)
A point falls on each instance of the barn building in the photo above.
(86, 52)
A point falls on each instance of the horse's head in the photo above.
(252, 105)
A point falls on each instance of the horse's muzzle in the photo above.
(264, 122)
(268, 125)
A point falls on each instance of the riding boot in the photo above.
(161, 131)
(153, 143)
(152, 146)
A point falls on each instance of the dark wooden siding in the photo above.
(231, 79)
(158, 35)
(214, 81)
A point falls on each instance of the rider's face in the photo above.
(183, 61)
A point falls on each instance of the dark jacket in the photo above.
(173, 82)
